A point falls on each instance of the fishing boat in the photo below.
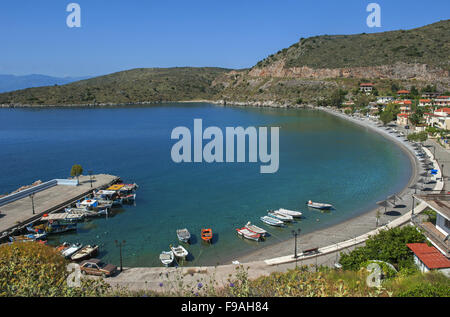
(256, 229)
(184, 235)
(85, 253)
(272, 221)
(295, 214)
(319, 205)
(67, 253)
(86, 213)
(94, 204)
(167, 258)
(128, 198)
(55, 228)
(207, 235)
(248, 234)
(276, 215)
(28, 237)
(180, 252)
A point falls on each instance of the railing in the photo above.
(436, 238)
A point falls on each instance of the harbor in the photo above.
(23, 208)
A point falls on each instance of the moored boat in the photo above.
(272, 221)
(179, 251)
(184, 235)
(67, 253)
(248, 234)
(279, 216)
(207, 235)
(167, 258)
(86, 252)
(256, 229)
(319, 205)
(293, 213)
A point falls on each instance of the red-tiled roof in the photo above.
(447, 110)
(407, 102)
(425, 100)
(403, 92)
(366, 84)
(443, 97)
(430, 256)
(403, 115)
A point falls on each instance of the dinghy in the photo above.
(179, 252)
(184, 235)
(295, 214)
(276, 215)
(248, 234)
(85, 253)
(167, 258)
(207, 235)
(256, 229)
(319, 205)
(67, 253)
(272, 221)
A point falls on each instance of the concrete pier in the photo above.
(18, 214)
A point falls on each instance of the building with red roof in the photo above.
(366, 87)
(403, 92)
(429, 258)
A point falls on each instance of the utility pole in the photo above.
(32, 201)
(119, 245)
(295, 234)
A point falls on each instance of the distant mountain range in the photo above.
(13, 82)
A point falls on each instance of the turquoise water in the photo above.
(322, 158)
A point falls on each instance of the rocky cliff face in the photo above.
(400, 71)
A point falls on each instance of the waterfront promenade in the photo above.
(18, 213)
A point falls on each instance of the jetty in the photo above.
(22, 208)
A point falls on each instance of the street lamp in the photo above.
(295, 233)
(90, 177)
(32, 201)
(119, 245)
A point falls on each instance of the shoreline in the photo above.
(357, 226)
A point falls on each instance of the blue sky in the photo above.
(118, 34)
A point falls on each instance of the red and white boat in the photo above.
(248, 234)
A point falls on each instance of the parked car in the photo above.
(97, 267)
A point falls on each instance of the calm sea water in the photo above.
(322, 158)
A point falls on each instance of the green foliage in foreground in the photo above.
(418, 137)
(388, 246)
(34, 270)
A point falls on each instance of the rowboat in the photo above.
(207, 235)
(67, 253)
(248, 234)
(295, 214)
(180, 252)
(130, 198)
(85, 253)
(276, 215)
(256, 229)
(167, 258)
(184, 235)
(272, 221)
(319, 205)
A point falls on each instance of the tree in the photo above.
(76, 171)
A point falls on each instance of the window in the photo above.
(447, 223)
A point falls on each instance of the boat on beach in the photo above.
(279, 216)
(248, 234)
(293, 213)
(67, 253)
(184, 235)
(256, 229)
(85, 253)
(207, 235)
(179, 251)
(321, 206)
(167, 258)
(272, 221)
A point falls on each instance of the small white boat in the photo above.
(319, 205)
(276, 215)
(180, 252)
(256, 229)
(167, 258)
(295, 214)
(85, 253)
(272, 221)
(248, 234)
(67, 253)
(184, 235)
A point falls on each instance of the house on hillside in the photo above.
(402, 93)
(429, 258)
(385, 100)
(439, 119)
(425, 102)
(438, 234)
(442, 101)
(430, 95)
(403, 119)
(366, 87)
(405, 105)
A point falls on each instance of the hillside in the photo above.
(136, 85)
(308, 71)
